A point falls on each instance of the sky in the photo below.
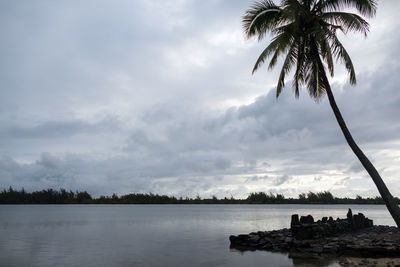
(158, 96)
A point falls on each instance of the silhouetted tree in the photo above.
(51, 196)
(306, 31)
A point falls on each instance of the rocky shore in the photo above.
(354, 236)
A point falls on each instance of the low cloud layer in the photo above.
(108, 102)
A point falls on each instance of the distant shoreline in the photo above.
(183, 204)
(62, 196)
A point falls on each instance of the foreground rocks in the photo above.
(306, 228)
(354, 236)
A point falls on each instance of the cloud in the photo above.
(140, 97)
(268, 143)
(60, 129)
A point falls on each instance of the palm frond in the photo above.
(341, 54)
(326, 54)
(311, 78)
(300, 68)
(347, 21)
(315, 73)
(292, 4)
(278, 45)
(320, 38)
(365, 7)
(286, 67)
(261, 17)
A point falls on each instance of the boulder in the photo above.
(294, 221)
(306, 219)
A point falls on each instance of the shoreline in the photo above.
(374, 242)
(62, 196)
(208, 204)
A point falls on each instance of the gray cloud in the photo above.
(61, 129)
(157, 96)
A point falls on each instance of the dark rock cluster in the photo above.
(306, 228)
(354, 236)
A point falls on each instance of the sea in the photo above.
(154, 235)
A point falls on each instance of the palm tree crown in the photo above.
(305, 31)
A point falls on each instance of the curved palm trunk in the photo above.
(383, 190)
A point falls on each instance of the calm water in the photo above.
(151, 235)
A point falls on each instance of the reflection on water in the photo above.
(152, 235)
(308, 260)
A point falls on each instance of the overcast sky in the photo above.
(157, 96)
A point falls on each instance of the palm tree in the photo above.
(304, 31)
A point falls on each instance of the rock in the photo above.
(306, 219)
(328, 236)
(261, 233)
(288, 240)
(358, 221)
(232, 238)
(303, 232)
(253, 238)
(316, 249)
(294, 221)
(265, 241)
(267, 246)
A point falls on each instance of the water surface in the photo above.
(152, 235)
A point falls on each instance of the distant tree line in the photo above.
(48, 196)
(324, 197)
(62, 196)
